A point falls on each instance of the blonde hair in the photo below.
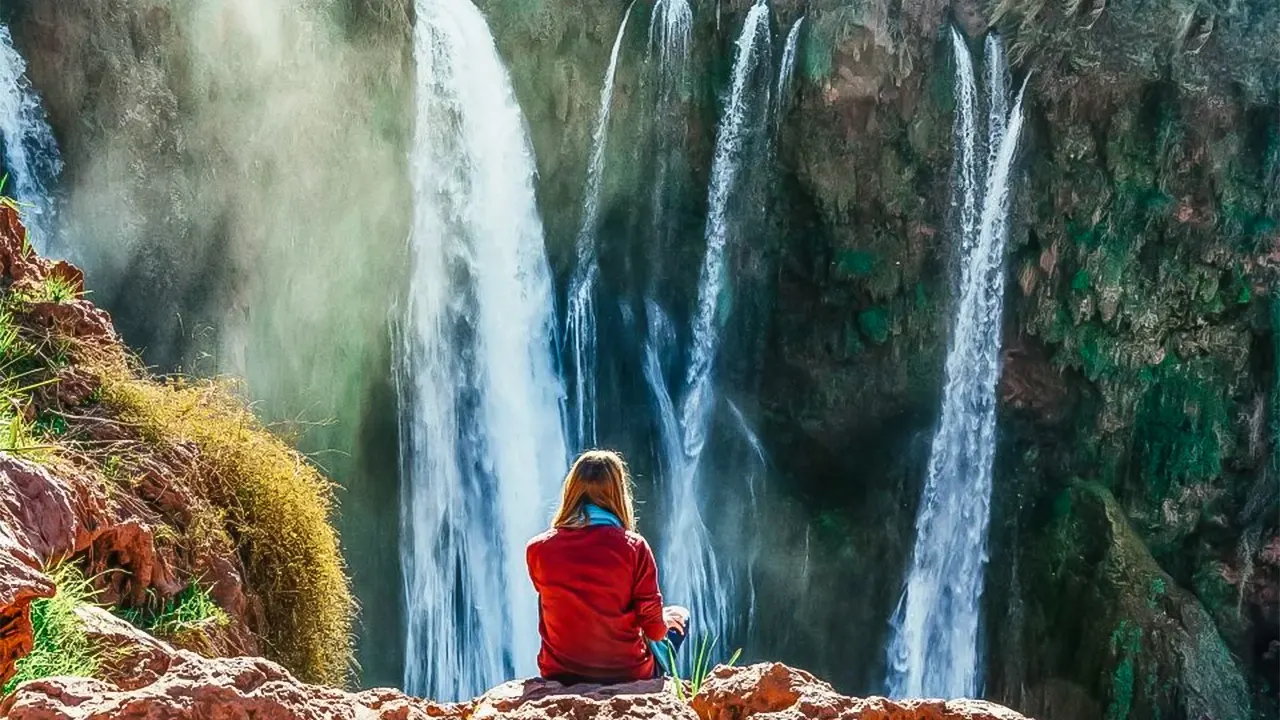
(599, 477)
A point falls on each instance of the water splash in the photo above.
(787, 71)
(692, 572)
(30, 152)
(934, 649)
(580, 325)
(482, 446)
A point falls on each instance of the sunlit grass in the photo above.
(60, 645)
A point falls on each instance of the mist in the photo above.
(236, 192)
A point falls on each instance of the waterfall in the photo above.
(692, 574)
(580, 324)
(31, 159)
(934, 648)
(482, 447)
(670, 35)
(787, 71)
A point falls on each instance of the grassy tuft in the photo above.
(192, 610)
(702, 666)
(278, 508)
(60, 646)
(19, 367)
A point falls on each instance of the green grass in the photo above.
(192, 610)
(702, 666)
(60, 646)
(19, 363)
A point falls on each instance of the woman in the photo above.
(597, 582)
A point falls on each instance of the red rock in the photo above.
(777, 692)
(73, 318)
(539, 699)
(37, 522)
(197, 688)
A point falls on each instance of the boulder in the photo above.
(773, 691)
(539, 699)
(37, 522)
(156, 680)
(146, 679)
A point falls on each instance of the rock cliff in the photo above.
(166, 496)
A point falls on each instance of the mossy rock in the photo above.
(1121, 627)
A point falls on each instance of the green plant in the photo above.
(701, 669)
(274, 504)
(193, 609)
(18, 362)
(60, 645)
(56, 289)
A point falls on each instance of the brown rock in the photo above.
(129, 658)
(196, 688)
(73, 318)
(777, 692)
(37, 522)
(124, 557)
(539, 699)
(160, 681)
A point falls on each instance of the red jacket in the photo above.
(598, 600)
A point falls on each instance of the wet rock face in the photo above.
(1143, 258)
(188, 686)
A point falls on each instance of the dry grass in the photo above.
(278, 509)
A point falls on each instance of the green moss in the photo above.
(855, 263)
(874, 323)
(1183, 421)
(1156, 592)
(1080, 281)
(1126, 642)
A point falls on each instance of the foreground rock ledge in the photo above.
(155, 681)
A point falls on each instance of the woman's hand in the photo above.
(676, 617)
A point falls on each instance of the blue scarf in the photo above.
(597, 515)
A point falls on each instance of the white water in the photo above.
(787, 72)
(482, 446)
(692, 574)
(30, 153)
(934, 651)
(580, 324)
(670, 36)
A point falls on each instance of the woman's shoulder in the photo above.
(541, 538)
(636, 540)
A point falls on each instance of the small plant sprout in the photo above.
(702, 666)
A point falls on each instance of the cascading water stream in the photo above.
(482, 447)
(670, 36)
(692, 574)
(934, 648)
(787, 71)
(580, 324)
(30, 152)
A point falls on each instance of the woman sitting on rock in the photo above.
(597, 583)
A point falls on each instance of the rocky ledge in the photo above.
(150, 679)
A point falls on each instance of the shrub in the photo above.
(60, 645)
(277, 505)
